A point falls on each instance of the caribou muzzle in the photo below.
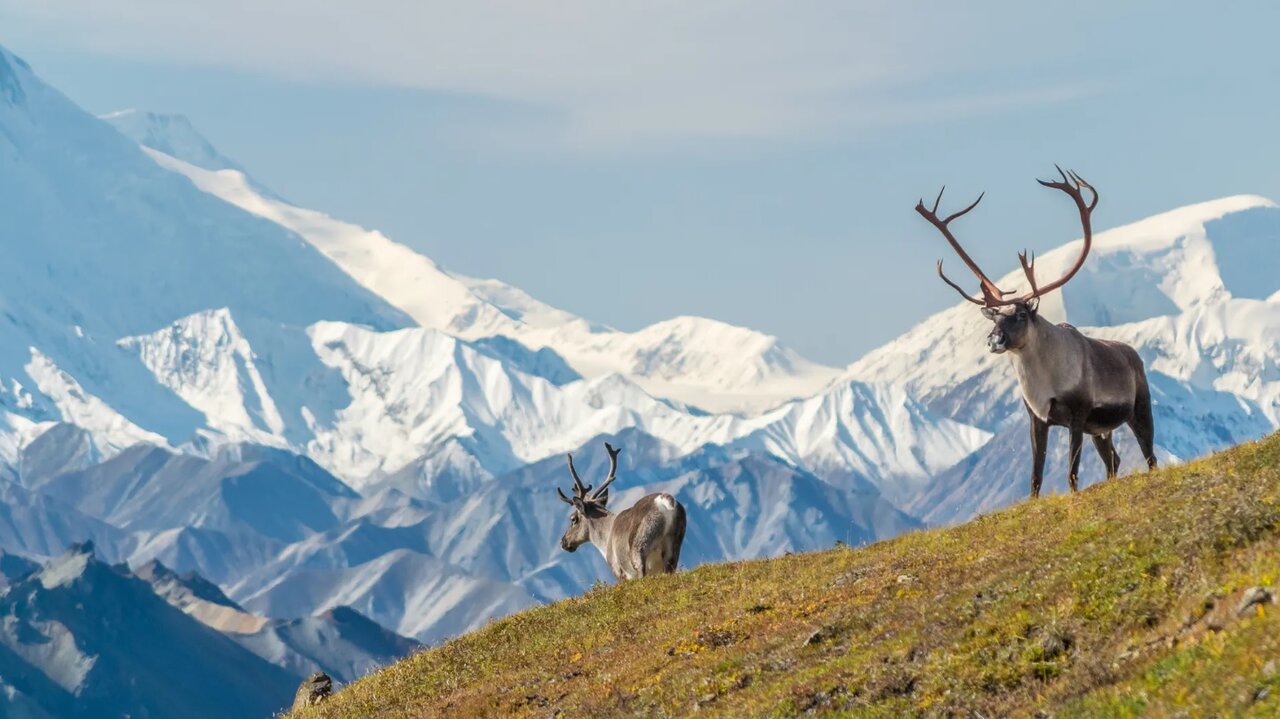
(997, 341)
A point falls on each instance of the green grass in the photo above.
(1116, 602)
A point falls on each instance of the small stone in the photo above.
(907, 579)
(1054, 644)
(819, 636)
(1252, 597)
(1261, 693)
(314, 690)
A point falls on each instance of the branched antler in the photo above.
(993, 296)
(990, 293)
(582, 492)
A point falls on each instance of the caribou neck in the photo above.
(599, 530)
(1049, 365)
(1045, 341)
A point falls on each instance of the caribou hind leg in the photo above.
(1107, 450)
(1143, 426)
(677, 539)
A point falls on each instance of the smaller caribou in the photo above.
(643, 539)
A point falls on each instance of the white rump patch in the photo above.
(665, 502)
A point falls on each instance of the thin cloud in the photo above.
(613, 73)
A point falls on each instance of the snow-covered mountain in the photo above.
(326, 425)
(691, 360)
(171, 134)
(103, 244)
(1196, 291)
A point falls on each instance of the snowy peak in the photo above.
(686, 345)
(206, 361)
(171, 134)
(409, 281)
(128, 247)
(1165, 264)
(694, 361)
(519, 305)
(10, 82)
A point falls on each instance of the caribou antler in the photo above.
(613, 471)
(583, 491)
(991, 295)
(579, 489)
(1073, 185)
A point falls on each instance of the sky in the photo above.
(754, 162)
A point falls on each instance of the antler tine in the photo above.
(578, 487)
(613, 470)
(965, 211)
(1093, 191)
(956, 287)
(1028, 269)
(1073, 185)
(937, 200)
(563, 497)
(991, 294)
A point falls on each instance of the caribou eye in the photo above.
(1022, 314)
(574, 520)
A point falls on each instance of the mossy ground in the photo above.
(1119, 601)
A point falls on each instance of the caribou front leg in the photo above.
(1039, 444)
(1077, 442)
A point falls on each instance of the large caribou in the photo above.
(1087, 385)
(643, 539)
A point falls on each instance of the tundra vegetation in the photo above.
(1150, 595)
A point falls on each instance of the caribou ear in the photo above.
(603, 499)
(991, 313)
(1033, 304)
(579, 505)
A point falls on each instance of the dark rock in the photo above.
(315, 689)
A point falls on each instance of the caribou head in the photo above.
(588, 506)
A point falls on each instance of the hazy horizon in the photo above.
(734, 160)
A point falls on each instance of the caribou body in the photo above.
(642, 539)
(1087, 385)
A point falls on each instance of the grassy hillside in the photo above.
(1119, 601)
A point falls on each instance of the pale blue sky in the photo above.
(753, 162)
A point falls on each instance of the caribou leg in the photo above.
(1039, 444)
(1073, 475)
(1143, 425)
(1107, 450)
